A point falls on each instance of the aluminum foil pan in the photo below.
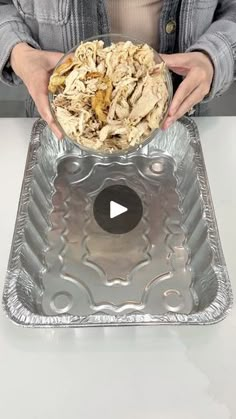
(65, 271)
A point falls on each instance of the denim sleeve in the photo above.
(219, 42)
(13, 30)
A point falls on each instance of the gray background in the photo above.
(12, 102)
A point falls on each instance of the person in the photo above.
(197, 40)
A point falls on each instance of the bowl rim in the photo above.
(153, 134)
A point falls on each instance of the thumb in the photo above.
(53, 57)
(176, 62)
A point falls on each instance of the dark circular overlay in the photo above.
(121, 195)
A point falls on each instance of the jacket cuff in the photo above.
(218, 48)
(11, 34)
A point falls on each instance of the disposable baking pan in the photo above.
(65, 270)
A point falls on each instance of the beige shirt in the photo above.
(136, 18)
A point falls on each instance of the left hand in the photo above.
(198, 72)
(34, 67)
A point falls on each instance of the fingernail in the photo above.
(168, 123)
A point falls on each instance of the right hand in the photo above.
(34, 68)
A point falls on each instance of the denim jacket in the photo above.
(185, 25)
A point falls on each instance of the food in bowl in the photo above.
(110, 98)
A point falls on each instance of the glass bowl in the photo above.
(109, 39)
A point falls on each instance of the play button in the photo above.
(118, 209)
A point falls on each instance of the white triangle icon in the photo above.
(116, 209)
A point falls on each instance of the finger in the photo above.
(42, 104)
(188, 85)
(53, 59)
(175, 61)
(168, 122)
(41, 101)
(195, 97)
(55, 129)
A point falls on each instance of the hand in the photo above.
(34, 68)
(198, 71)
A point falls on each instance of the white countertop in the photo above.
(132, 373)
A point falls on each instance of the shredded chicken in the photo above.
(110, 98)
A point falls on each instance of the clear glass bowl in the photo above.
(108, 39)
